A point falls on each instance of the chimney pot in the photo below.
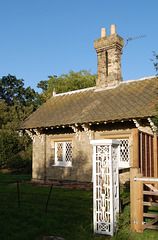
(54, 92)
(113, 29)
(103, 32)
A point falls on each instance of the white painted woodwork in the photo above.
(106, 154)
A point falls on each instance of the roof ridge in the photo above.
(74, 91)
(139, 79)
(126, 82)
(101, 89)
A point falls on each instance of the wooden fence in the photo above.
(143, 196)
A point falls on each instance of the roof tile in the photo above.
(131, 99)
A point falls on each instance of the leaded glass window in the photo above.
(63, 153)
(124, 152)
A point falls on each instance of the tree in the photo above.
(155, 61)
(13, 92)
(9, 147)
(16, 103)
(14, 154)
(67, 82)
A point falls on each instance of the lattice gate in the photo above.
(106, 154)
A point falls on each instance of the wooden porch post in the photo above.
(136, 198)
(133, 172)
(135, 148)
(155, 156)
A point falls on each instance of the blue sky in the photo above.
(39, 38)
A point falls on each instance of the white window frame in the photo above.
(63, 163)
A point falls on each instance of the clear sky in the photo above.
(39, 38)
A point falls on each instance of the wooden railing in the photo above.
(145, 153)
(143, 195)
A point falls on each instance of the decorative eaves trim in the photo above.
(40, 136)
(31, 135)
(35, 132)
(137, 124)
(77, 131)
(87, 129)
(152, 125)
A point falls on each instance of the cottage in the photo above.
(61, 129)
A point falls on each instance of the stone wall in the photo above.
(38, 159)
(81, 170)
(82, 152)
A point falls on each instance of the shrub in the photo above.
(12, 154)
(9, 147)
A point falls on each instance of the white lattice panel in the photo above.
(106, 185)
(115, 178)
(124, 153)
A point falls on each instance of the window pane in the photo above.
(68, 152)
(59, 152)
(63, 153)
(124, 151)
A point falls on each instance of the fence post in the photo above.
(133, 172)
(18, 193)
(139, 204)
(136, 199)
(48, 198)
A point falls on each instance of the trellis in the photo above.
(106, 154)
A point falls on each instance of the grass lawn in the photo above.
(10, 177)
(69, 216)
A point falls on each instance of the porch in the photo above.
(144, 182)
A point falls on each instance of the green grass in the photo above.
(67, 215)
(11, 177)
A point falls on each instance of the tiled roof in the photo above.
(128, 100)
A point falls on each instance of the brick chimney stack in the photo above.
(108, 50)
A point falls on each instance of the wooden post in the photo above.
(135, 148)
(155, 157)
(139, 204)
(136, 199)
(18, 193)
(155, 145)
(133, 172)
(48, 198)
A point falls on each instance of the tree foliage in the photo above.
(13, 92)
(16, 103)
(67, 82)
(155, 61)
